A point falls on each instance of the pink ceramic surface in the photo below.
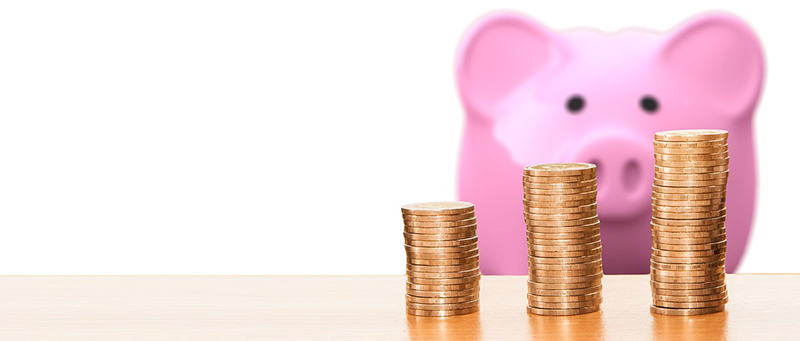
(515, 79)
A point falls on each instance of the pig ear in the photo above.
(497, 55)
(719, 55)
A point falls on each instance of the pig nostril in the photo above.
(631, 175)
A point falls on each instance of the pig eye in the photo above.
(649, 104)
(575, 104)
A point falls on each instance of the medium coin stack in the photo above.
(687, 265)
(564, 263)
(441, 258)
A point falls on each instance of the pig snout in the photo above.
(624, 174)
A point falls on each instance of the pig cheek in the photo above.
(529, 134)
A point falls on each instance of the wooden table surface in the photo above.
(762, 307)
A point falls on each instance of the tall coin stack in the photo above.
(564, 262)
(442, 258)
(687, 265)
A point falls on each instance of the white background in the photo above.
(282, 137)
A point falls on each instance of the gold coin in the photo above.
(565, 292)
(691, 144)
(556, 179)
(688, 209)
(564, 305)
(561, 210)
(438, 208)
(444, 293)
(689, 197)
(560, 169)
(690, 305)
(557, 204)
(532, 286)
(442, 268)
(563, 299)
(563, 254)
(597, 264)
(696, 240)
(691, 247)
(410, 240)
(690, 293)
(684, 203)
(564, 260)
(560, 185)
(693, 150)
(684, 216)
(564, 248)
(685, 312)
(692, 176)
(703, 298)
(680, 267)
(691, 135)
(565, 236)
(560, 191)
(445, 306)
(688, 223)
(439, 237)
(561, 217)
(588, 279)
(692, 163)
(446, 249)
(700, 234)
(690, 260)
(692, 273)
(549, 223)
(448, 217)
(687, 190)
(442, 313)
(559, 198)
(577, 241)
(441, 300)
(690, 170)
(442, 287)
(441, 230)
(562, 312)
(443, 262)
(688, 254)
(449, 274)
(439, 224)
(533, 271)
(691, 157)
(591, 228)
(690, 183)
(444, 281)
(449, 255)
(687, 279)
(686, 286)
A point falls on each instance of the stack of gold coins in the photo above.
(687, 265)
(442, 258)
(564, 261)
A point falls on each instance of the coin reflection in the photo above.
(687, 328)
(462, 327)
(575, 327)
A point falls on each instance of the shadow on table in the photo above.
(688, 328)
(575, 327)
(449, 328)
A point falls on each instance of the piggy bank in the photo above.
(535, 96)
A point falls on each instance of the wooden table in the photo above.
(761, 307)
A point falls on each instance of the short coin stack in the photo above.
(442, 258)
(564, 261)
(687, 265)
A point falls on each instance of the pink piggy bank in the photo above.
(533, 96)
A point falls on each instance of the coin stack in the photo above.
(687, 265)
(564, 262)
(441, 258)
